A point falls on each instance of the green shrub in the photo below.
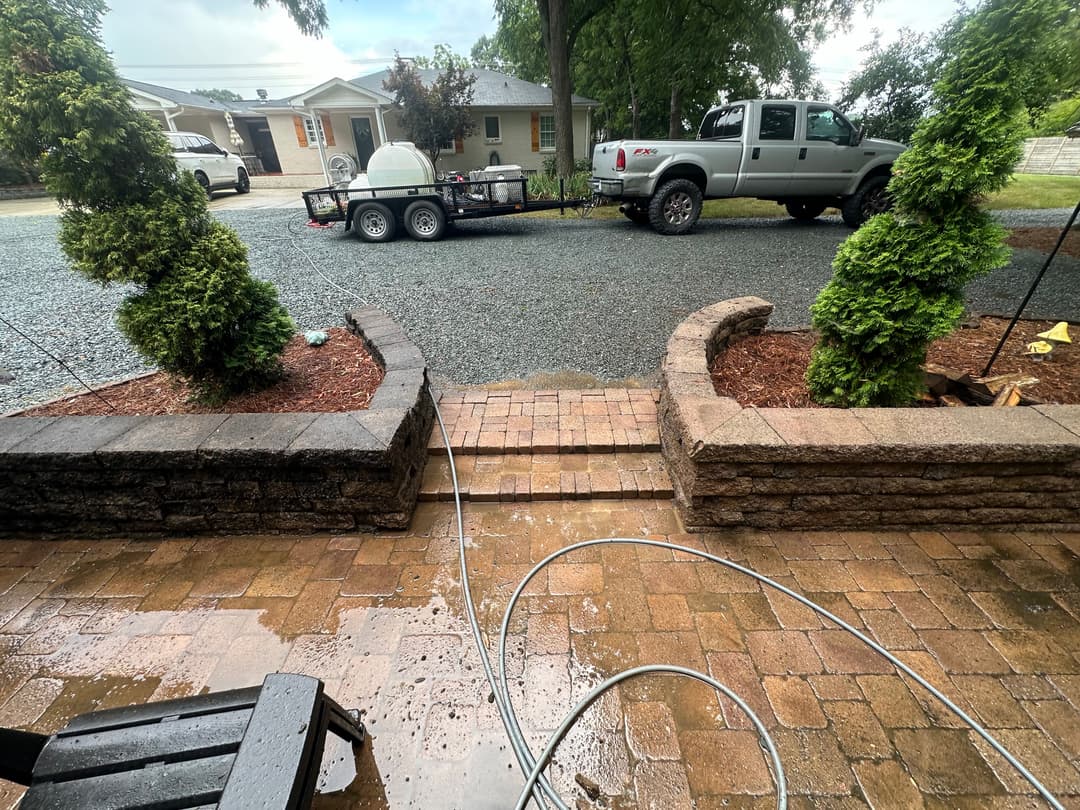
(546, 187)
(583, 165)
(898, 282)
(130, 215)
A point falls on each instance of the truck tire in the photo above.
(635, 213)
(675, 207)
(869, 199)
(805, 211)
(425, 221)
(374, 222)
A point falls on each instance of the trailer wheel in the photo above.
(869, 199)
(374, 222)
(675, 207)
(425, 221)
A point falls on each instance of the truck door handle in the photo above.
(756, 153)
(802, 153)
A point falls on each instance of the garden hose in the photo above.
(537, 786)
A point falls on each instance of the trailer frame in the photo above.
(377, 213)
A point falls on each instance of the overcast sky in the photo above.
(241, 48)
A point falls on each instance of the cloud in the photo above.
(269, 51)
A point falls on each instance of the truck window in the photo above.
(723, 123)
(824, 124)
(777, 123)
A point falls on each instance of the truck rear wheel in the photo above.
(804, 211)
(675, 207)
(425, 221)
(374, 222)
(869, 199)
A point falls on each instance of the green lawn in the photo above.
(1023, 191)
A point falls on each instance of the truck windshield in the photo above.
(725, 122)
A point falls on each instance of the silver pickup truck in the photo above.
(802, 154)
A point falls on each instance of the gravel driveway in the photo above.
(499, 299)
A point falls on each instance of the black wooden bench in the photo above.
(259, 747)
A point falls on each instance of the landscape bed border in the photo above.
(237, 473)
(854, 469)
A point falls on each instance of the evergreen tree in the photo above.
(129, 215)
(898, 281)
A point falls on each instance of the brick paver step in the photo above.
(548, 477)
(608, 420)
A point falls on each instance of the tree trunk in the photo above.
(554, 26)
(675, 121)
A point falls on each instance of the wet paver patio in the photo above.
(992, 619)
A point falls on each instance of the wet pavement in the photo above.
(992, 619)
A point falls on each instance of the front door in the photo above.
(262, 143)
(365, 143)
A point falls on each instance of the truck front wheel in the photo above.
(868, 200)
(675, 207)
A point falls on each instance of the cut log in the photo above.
(951, 401)
(1008, 396)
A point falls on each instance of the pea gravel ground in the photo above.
(499, 299)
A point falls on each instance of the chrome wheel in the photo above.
(424, 222)
(678, 208)
(374, 224)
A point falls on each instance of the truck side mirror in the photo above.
(858, 137)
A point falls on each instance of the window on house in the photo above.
(492, 130)
(547, 133)
(310, 128)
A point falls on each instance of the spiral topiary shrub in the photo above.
(129, 215)
(898, 281)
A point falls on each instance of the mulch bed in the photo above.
(340, 375)
(768, 371)
(1044, 239)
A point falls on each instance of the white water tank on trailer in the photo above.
(399, 163)
(358, 187)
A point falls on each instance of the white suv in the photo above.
(214, 167)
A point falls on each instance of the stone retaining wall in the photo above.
(874, 468)
(123, 475)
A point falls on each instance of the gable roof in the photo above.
(180, 97)
(377, 95)
(491, 89)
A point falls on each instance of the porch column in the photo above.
(379, 123)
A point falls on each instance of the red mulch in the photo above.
(340, 375)
(768, 371)
(1044, 239)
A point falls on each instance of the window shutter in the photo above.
(328, 131)
(459, 146)
(536, 132)
(301, 133)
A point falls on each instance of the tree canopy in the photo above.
(436, 114)
(656, 67)
(218, 94)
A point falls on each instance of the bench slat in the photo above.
(153, 712)
(128, 747)
(158, 787)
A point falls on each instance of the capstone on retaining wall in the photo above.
(239, 473)
(857, 469)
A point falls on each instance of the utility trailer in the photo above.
(424, 210)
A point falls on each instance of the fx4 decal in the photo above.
(644, 151)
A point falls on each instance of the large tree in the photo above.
(433, 114)
(649, 62)
(219, 94)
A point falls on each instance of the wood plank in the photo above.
(155, 712)
(158, 787)
(130, 747)
(271, 768)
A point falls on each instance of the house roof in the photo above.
(491, 89)
(182, 98)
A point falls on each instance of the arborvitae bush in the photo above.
(898, 281)
(129, 215)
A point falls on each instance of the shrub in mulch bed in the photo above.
(340, 375)
(769, 370)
